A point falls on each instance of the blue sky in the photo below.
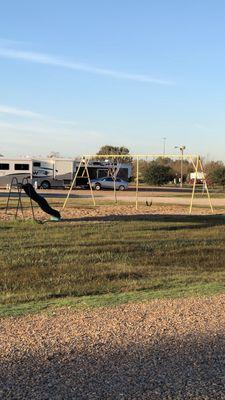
(75, 75)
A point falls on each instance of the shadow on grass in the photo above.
(184, 221)
(175, 367)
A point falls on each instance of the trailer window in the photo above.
(102, 173)
(22, 167)
(4, 166)
(36, 164)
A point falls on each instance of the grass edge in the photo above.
(110, 300)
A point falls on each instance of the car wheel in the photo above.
(97, 186)
(121, 187)
(45, 185)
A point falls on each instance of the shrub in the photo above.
(157, 174)
(217, 176)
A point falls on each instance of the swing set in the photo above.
(195, 160)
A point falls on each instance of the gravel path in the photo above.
(163, 349)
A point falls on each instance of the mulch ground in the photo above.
(111, 211)
(162, 349)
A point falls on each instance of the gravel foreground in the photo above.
(112, 212)
(162, 349)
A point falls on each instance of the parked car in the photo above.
(108, 183)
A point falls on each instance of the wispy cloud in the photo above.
(201, 126)
(44, 126)
(57, 133)
(31, 129)
(18, 112)
(60, 62)
(4, 42)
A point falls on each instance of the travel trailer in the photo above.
(20, 168)
(57, 172)
(199, 177)
(102, 169)
(44, 173)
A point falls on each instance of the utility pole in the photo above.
(181, 148)
(164, 146)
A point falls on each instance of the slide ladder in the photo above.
(19, 206)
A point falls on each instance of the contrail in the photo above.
(47, 59)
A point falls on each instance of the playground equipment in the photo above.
(33, 196)
(83, 170)
(194, 159)
(40, 200)
(18, 196)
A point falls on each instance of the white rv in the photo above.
(55, 173)
(14, 168)
(46, 173)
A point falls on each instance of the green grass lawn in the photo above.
(130, 258)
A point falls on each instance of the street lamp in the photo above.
(181, 148)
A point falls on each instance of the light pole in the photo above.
(164, 146)
(181, 148)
